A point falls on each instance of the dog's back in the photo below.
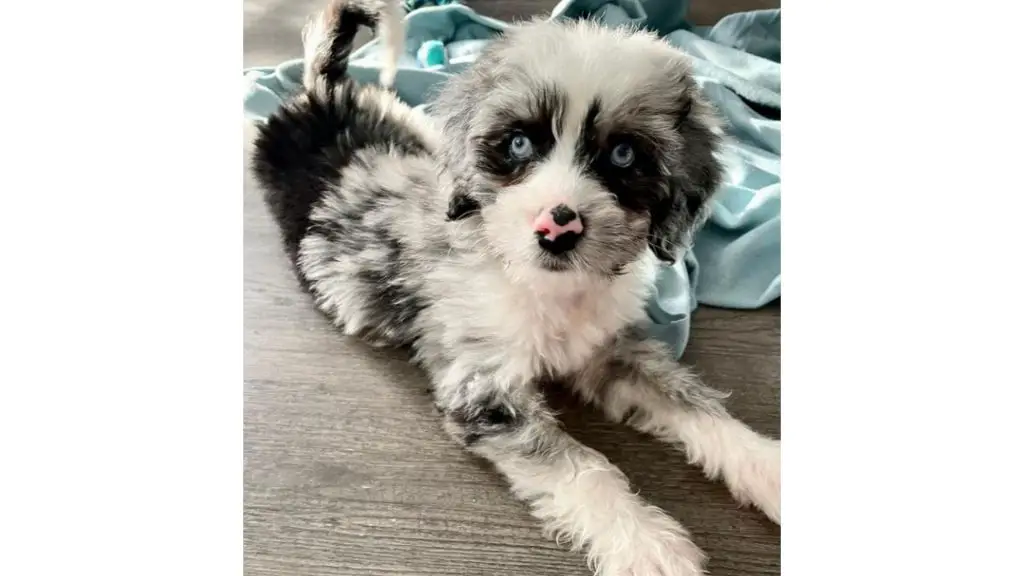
(348, 174)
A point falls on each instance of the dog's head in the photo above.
(574, 147)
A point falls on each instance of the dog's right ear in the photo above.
(461, 206)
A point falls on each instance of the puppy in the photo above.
(512, 239)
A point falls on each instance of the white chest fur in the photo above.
(546, 323)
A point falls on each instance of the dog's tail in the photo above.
(328, 37)
(310, 139)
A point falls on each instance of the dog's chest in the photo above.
(558, 332)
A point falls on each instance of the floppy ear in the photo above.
(668, 219)
(675, 219)
(697, 175)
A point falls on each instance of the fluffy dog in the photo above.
(511, 239)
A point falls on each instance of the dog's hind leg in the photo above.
(638, 381)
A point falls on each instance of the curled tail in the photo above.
(328, 37)
(305, 144)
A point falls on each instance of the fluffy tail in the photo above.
(309, 140)
(327, 38)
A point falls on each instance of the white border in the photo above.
(120, 417)
(901, 316)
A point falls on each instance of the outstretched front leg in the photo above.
(574, 490)
(638, 381)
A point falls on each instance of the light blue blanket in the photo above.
(735, 260)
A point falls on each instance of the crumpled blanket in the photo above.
(735, 258)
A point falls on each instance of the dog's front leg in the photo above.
(638, 381)
(580, 497)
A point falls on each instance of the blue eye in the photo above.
(622, 155)
(520, 148)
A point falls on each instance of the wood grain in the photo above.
(346, 468)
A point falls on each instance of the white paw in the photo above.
(760, 482)
(658, 546)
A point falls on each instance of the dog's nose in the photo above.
(558, 229)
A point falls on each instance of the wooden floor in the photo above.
(347, 470)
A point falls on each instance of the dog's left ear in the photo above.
(697, 174)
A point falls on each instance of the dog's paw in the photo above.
(757, 479)
(680, 558)
(762, 479)
(653, 545)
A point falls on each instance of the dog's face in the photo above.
(577, 148)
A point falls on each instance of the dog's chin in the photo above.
(555, 263)
(566, 265)
(542, 268)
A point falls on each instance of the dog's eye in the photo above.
(622, 155)
(520, 147)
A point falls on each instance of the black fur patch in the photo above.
(694, 202)
(307, 143)
(668, 218)
(637, 187)
(461, 206)
(670, 180)
(488, 417)
(394, 305)
(547, 109)
(352, 16)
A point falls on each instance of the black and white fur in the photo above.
(415, 232)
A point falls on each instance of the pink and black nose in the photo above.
(558, 229)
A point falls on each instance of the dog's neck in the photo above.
(554, 322)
